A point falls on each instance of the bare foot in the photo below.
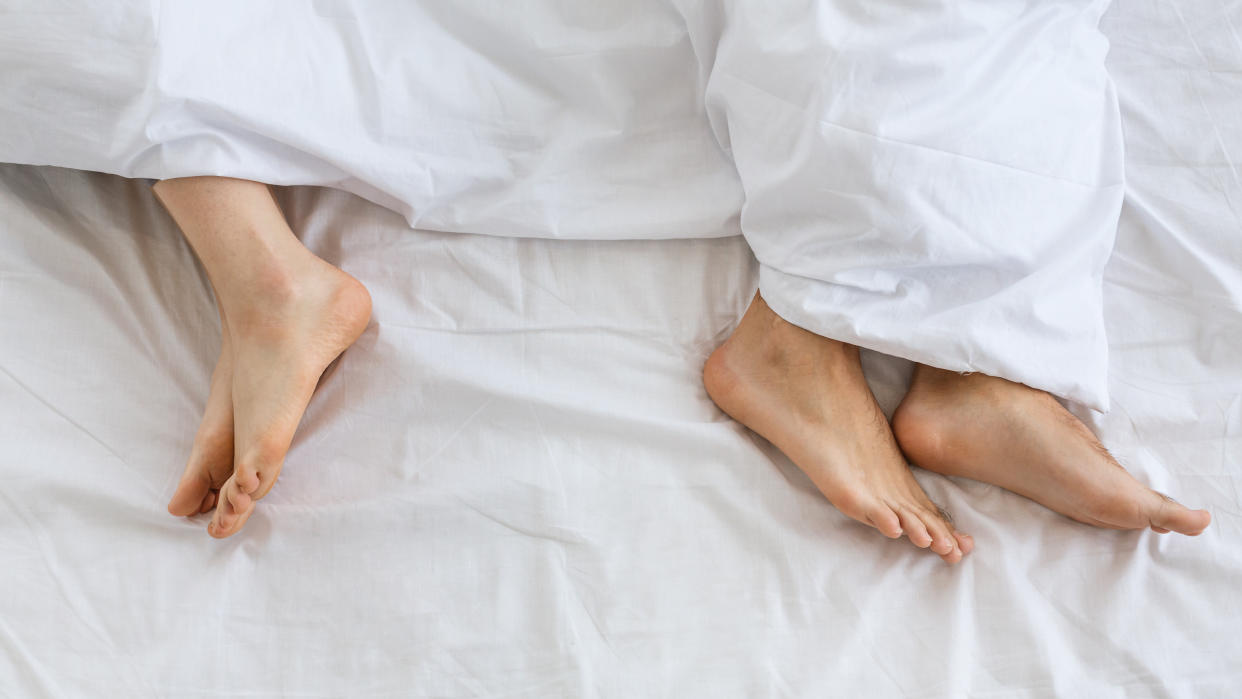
(1023, 440)
(806, 394)
(300, 315)
(285, 314)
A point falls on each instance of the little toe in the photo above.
(915, 530)
(965, 542)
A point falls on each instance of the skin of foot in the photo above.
(285, 314)
(807, 395)
(211, 458)
(1021, 439)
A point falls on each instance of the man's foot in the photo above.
(298, 317)
(1023, 440)
(806, 394)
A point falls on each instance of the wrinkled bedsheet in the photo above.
(514, 484)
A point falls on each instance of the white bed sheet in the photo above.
(514, 485)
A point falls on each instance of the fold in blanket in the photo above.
(939, 182)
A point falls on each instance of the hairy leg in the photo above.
(807, 395)
(286, 313)
(1023, 440)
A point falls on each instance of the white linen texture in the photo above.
(514, 483)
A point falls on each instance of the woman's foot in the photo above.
(285, 314)
(262, 383)
(806, 394)
(282, 344)
(1023, 440)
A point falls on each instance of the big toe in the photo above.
(1170, 515)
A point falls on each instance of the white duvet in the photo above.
(938, 181)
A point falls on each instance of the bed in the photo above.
(515, 485)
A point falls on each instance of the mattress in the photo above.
(515, 485)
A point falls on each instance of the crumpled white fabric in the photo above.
(938, 182)
(514, 484)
